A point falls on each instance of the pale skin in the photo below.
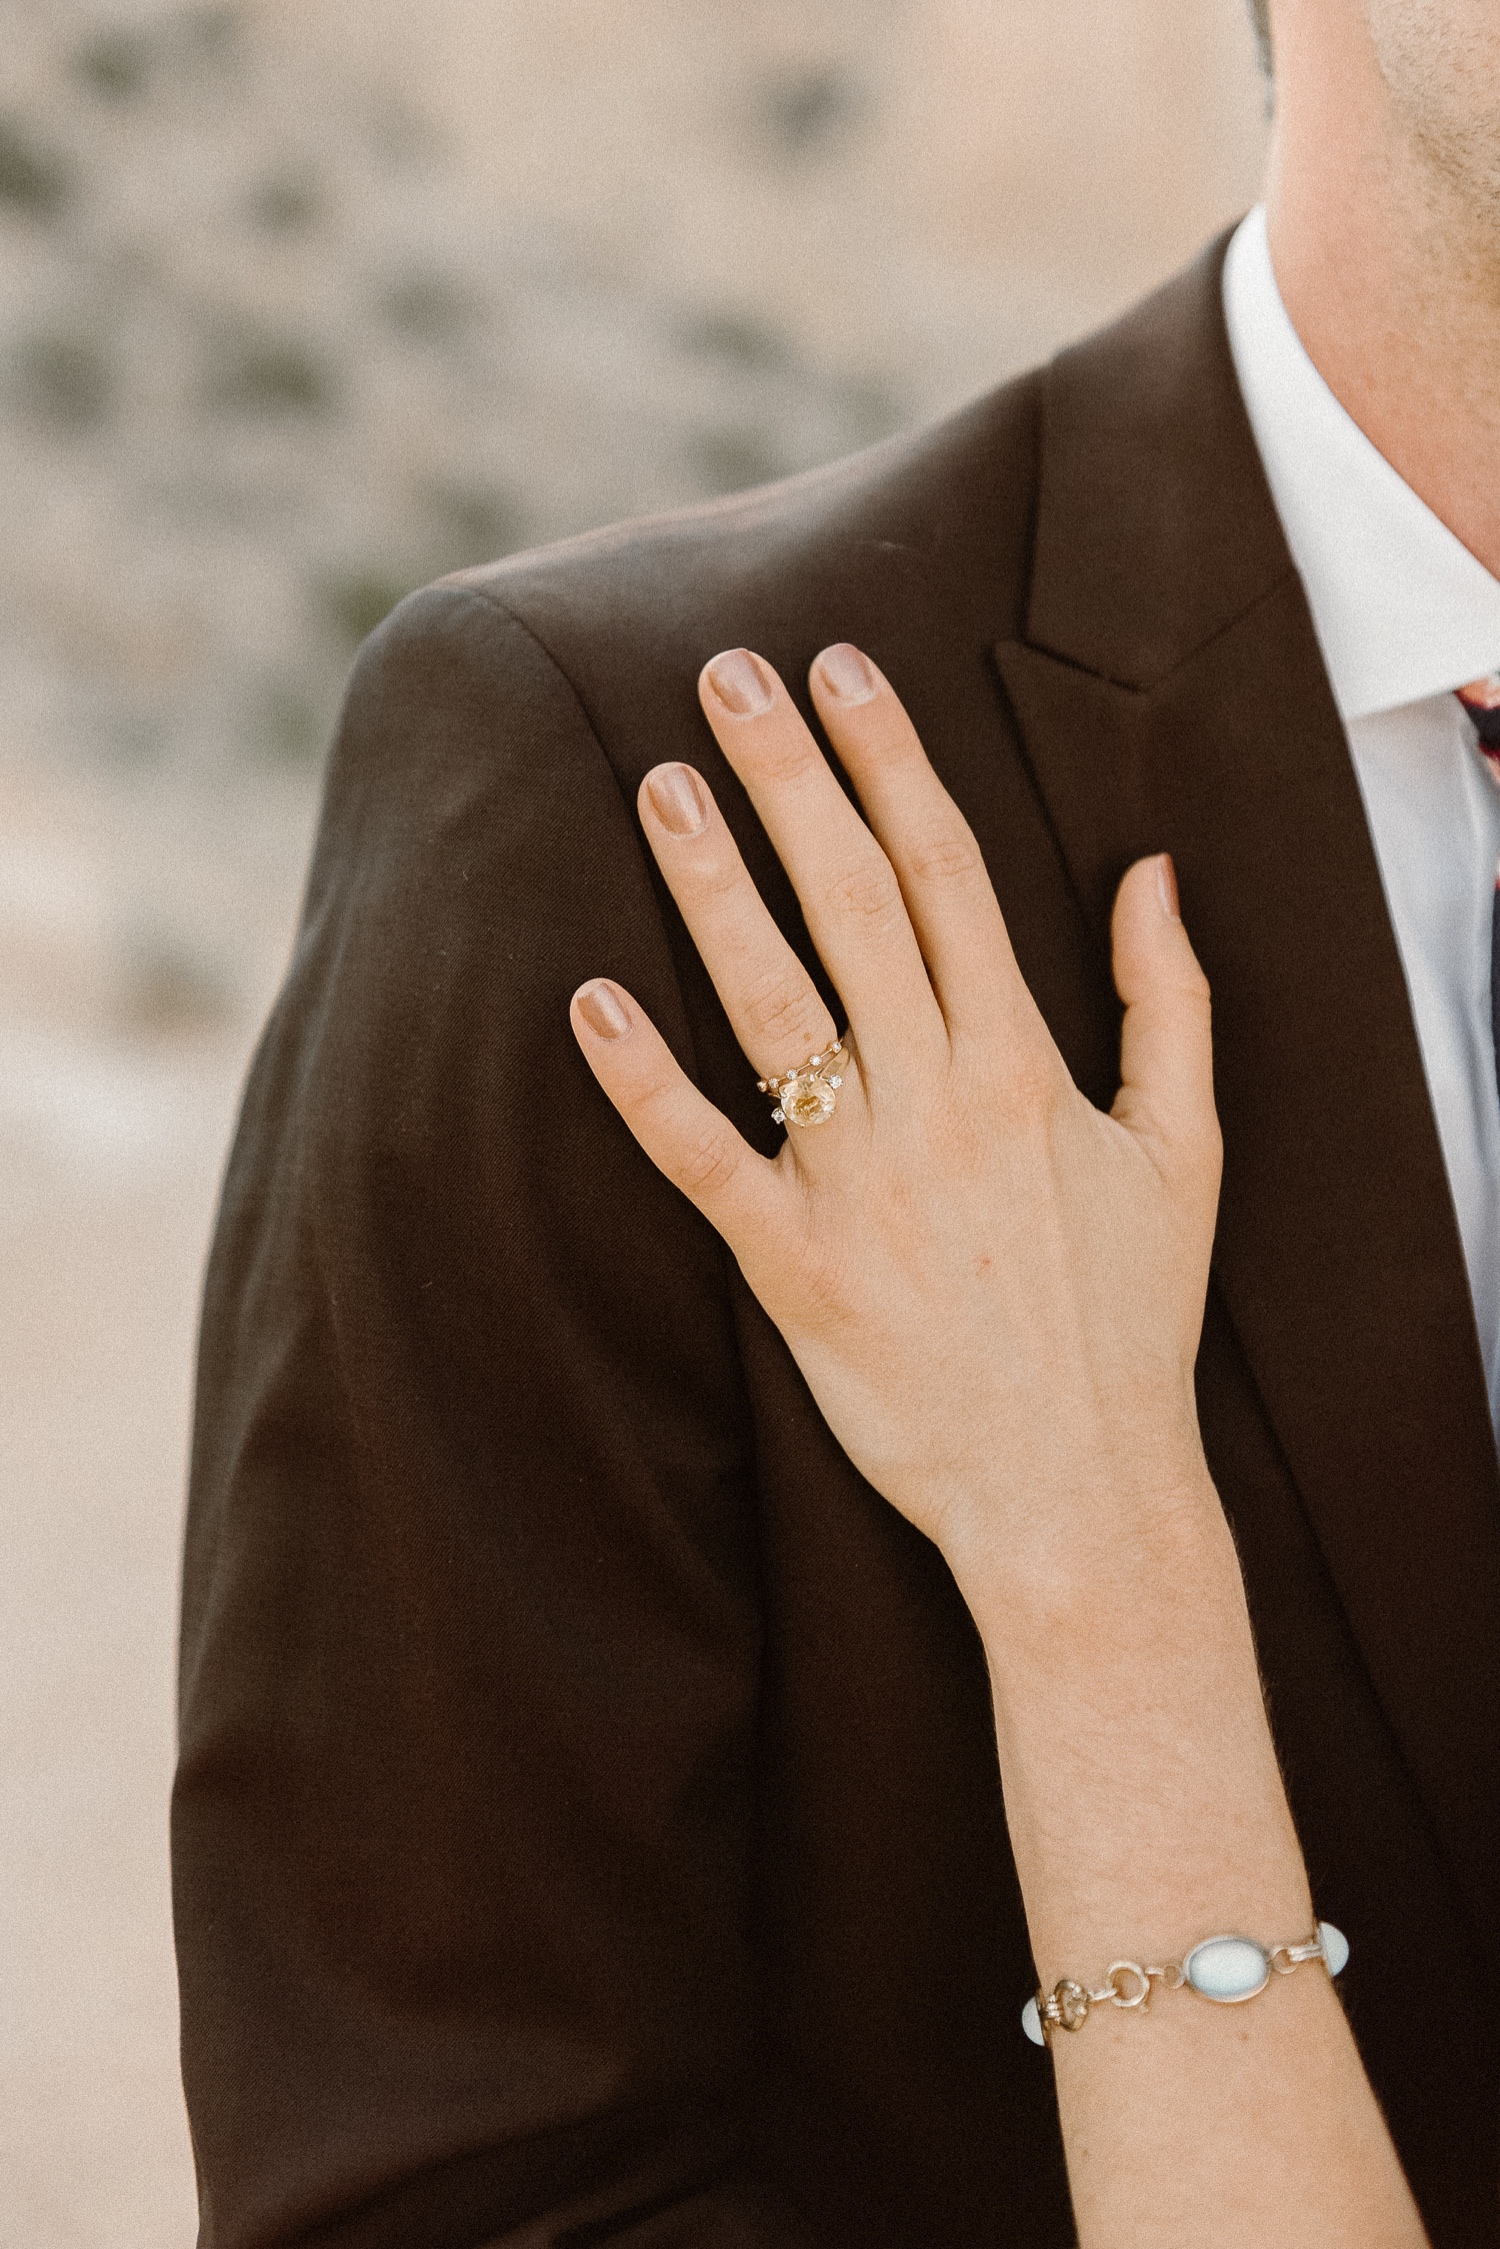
(995, 1291)
(1383, 202)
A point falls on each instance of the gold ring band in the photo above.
(806, 1096)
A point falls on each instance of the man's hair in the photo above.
(1260, 16)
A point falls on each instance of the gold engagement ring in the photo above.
(806, 1096)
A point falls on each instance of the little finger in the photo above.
(689, 1140)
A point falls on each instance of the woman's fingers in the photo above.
(850, 897)
(1166, 1045)
(902, 911)
(772, 1003)
(943, 878)
(685, 1136)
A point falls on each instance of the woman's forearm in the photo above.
(972, 1264)
(1147, 1812)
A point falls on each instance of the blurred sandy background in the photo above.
(301, 304)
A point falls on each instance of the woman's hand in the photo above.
(995, 1294)
(994, 1290)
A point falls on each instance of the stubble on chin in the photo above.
(1440, 62)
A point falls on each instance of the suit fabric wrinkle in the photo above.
(587, 1826)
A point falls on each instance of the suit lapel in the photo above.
(1170, 694)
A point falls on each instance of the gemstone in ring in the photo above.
(806, 1096)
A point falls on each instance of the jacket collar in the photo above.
(1170, 693)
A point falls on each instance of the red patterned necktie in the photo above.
(1481, 699)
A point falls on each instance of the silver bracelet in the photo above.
(1223, 1969)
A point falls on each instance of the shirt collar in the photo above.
(1401, 608)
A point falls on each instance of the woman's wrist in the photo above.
(1074, 1554)
(1144, 1798)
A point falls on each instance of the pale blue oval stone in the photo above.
(1227, 1968)
(1031, 2023)
(1335, 1948)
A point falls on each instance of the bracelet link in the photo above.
(1066, 2006)
(1141, 1996)
(1225, 1970)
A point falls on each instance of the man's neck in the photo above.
(1393, 284)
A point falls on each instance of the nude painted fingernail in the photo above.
(678, 799)
(602, 1012)
(847, 674)
(739, 680)
(1166, 887)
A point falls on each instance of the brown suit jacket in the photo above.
(587, 1828)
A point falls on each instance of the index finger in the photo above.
(848, 891)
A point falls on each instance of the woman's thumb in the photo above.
(1166, 1047)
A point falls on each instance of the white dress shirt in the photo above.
(1404, 614)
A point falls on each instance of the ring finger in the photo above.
(772, 1003)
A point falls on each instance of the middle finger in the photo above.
(847, 888)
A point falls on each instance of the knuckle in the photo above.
(866, 892)
(786, 755)
(948, 855)
(823, 1284)
(1195, 1003)
(778, 1014)
(708, 1163)
(1194, 984)
(718, 873)
(1031, 1082)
